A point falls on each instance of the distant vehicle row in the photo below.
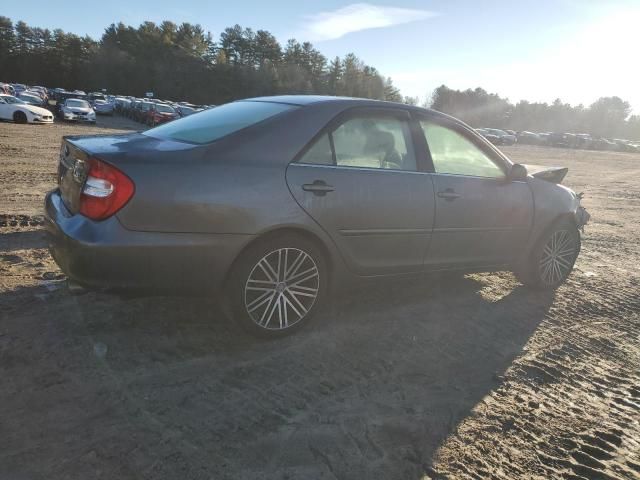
(154, 112)
(28, 104)
(554, 139)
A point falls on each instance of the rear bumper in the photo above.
(105, 255)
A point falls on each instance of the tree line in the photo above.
(185, 62)
(608, 117)
(182, 62)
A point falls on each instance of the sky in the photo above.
(575, 50)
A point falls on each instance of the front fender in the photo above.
(552, 202)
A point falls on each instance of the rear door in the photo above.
(360, 181)
(482, 218)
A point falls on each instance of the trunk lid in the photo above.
(121, 151)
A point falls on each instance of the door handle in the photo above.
(449, 194)
(318, 187)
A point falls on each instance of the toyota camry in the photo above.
(270, 201)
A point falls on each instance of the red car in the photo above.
(160, 113)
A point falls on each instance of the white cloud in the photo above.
(597, 61)
(357, 17)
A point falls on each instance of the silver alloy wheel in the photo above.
(281, 289)
(557, 257)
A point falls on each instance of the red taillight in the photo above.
(105, 191)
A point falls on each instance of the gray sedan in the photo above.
(270, 201)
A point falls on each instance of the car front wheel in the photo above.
(277, 285)
(553, 258)
(20, 117)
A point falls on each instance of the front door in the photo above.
(360, 182)
(482, 218)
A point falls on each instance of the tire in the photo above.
(553, 257)
(19, 117)
(264, 299)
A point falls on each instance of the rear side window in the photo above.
(215, 123)
(383, 142)
(320, 152)
(367, 141)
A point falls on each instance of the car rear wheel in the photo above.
(553, 258)
(19, 117)
(277, 285)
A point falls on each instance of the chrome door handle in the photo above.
(449, 194)
(318, 187)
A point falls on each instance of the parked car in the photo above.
(272, 200)
(623, 145)
(583, 140)
(504, 137)
(18, 87)
(93, 96)
(529, 138)
(186, 110)
(494, 139)
(603, 144)
(31, 98)
(562, 140)
(160, 113)
(102, 107)
(41, 91)
(7, 89)
(12, 108)
(62, 95)
(140, 111)
(75, 109)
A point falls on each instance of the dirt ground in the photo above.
(475, 377)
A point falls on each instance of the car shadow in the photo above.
(169, 387)
(21, 240)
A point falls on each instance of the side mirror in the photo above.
(517, 172)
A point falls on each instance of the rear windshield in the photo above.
(78, 103)
(210, 125)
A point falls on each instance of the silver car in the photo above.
(272, 201)
(103, 107)
(76, 109)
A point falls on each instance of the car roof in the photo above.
(302, 100)
(344, 102)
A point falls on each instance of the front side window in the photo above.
(382, 142)
(210, 125)
(454, 154)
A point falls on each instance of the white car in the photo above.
(12, 108)
(77, 109)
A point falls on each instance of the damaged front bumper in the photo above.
(582, 217)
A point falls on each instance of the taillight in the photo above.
(105, 191)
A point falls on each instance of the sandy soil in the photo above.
(474, 377)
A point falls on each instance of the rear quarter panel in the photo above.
(235, 185)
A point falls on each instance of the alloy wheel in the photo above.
(281, 288)
(558, 257)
